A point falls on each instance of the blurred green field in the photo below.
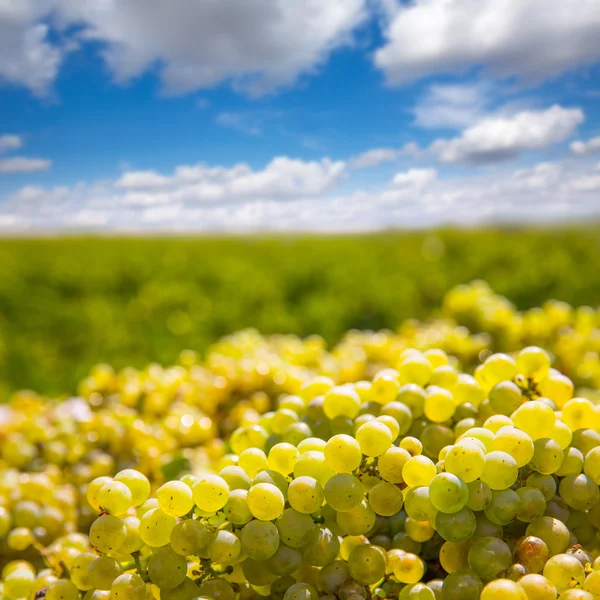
(68, 303)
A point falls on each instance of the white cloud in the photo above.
(21, 164)
(374, 157)
(10, 142)
(258, 46)
(27, 56)
(530, 39)
(416, 178)
(142, 180)
(452, 106)
(580, 147)
(239, 122)
(497, 138)
(251, 200)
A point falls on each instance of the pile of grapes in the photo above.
(453, 459)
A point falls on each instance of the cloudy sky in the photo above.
(211, 115)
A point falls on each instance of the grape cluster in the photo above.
(413, 465)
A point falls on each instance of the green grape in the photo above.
(186, 590)
(235, 477)
(391, 423)
(592, 583)
(175, 498)
(224, 548)
(503, 589)
(515, 442)
(341, 401)
(448, 493)
(374, 438)
(391, 463)
(313, 443)
(572, 464)
(545, 483)
(505, 397)
(547, 456)
(250, 436)
(349, 542)
(322, 548)
(439, 404)
(533, 504)
(342, 453)
(537, 587)
(260, 539)
(295, 529)
(411, 444)
(312, 464)
(93, 488)
(333, 576)
(62, 589)
(306, 495)
(19, 583)
(401, 413)
(257, 572)
(504, 507)
(456, 527)
(190, 537)
(454, 556)
(417, 504)
(107, 533)
(357, 521)
(103, 571)
(236, 510)
(419, 531)
(156, 527)
(274, 478)
(278, 588)
(576, 595)
(133, 542)
(114, 497)
(138, 485)
(562, 435)
(535, 418)
(462, 585)
(488, 556)
(553, 532)
(496, 422)
(283, 457)
(79, 571)
(166, 568)
(465, 460)
(265, 501)
(579, 492)
(408, 568)
(343, 492)
(591, 465)
(480, 495)
(282, 419)
(366, 564)
(413, 396)
(500, 470)
(128, 587)
(253, 461)
(403, 541)
(564, 571)
(301, 591)
(418, 470)
(211, 493)
(533, 362)
(218, 589)
(435, 437)
(285, 560)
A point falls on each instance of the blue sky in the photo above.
(211, 115)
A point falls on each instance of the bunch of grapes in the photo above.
(415, 464)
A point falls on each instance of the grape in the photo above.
(545, 483)
(533, 362)
(274, 478)
(357, 521)
(341, 401)
(295, 528)
(537, 587)
(456, 527)
(504, 507)
(211, 493)
(107, 533)
(391, 464)
(401, 413)
(62, 589)
(417, 504)
(265, 501)
(282, 458)
(439, 404)
(342, 453)
(391, 423)
(190, 537)
(175, 498)
(454, 556)
(532, 552)
(285, 560)
(448, 493)
(515, 442)
(224, 548)
(480, 495)
(547, 456)
(322, 548)
(535, 418)
(19, 583)
(374, 438)
(465, 460)
(503, 589)
(500, 470)
(572, 464)
(489, 556)
(579, 492)
(93, 488)
(217, 589)
(114, 497)
(552, 531)
(156, 527)
(138, 485)
(301, 591)
(253, 461)
(419, 531)
(418, 470)
(343, 492)
(103, 571)
(385, 499)
(564, 571)
(333, 576)
(408, 568)
(462, 585)
(306, 495)
(235, 477)
(128, 587)
(260, 539)
(312, 464)
(236, 510)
